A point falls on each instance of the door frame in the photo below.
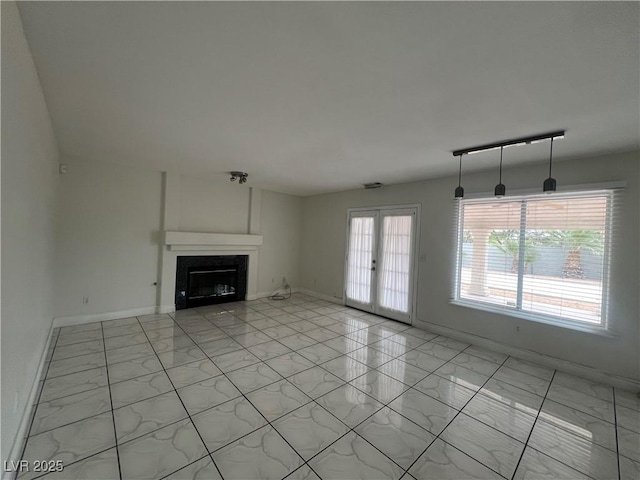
(416, 251)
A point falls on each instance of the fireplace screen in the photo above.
(212, 283)
(207, 280)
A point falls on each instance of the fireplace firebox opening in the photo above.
(209, 280)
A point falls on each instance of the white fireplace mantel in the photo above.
(175, 240)
(200, 243)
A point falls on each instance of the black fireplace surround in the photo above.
(210, 279)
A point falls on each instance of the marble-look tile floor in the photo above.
(306, 389)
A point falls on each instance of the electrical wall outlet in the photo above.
(85, 300)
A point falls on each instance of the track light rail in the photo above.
(509, 143)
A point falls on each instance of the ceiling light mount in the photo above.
(240, 176)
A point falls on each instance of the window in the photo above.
(542, 257)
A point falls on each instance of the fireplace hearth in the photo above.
(210, 279)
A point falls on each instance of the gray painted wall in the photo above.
(323, 240)
(29, 187)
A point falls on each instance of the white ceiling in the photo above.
(317, 97)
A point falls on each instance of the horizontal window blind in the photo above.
(544, 255)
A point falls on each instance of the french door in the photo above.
(380, 261)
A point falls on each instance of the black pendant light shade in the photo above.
(549, 184)
(500, 189)
(459, 190)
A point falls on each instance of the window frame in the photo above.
(609, 190)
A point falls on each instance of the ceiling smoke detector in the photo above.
(240, 176)
(369, 186)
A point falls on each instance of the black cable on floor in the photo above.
(279, 296)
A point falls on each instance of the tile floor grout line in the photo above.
(76, 461)
(317, 343)
(81, 354)
(579, 391)
(106, 367)
(568, 430)
(484, 395)
(526, 444)
(185, 410)
(311, 400)
(386, 405)
(516, 386)
(79, 371)
(615, 419)
(429, 373)
(527, 373)
(70, 423)
(96, 387)
(113, 417)
(191, 463)
(573, 407)
(589, 476)
(350, 429)
(252, 405)
(270, 423)
(451, 421)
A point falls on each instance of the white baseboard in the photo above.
(590, 373)
(322, 296)
(101, 317)
(25, 421)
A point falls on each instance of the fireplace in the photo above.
(208, 280)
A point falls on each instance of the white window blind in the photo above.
(541, 255)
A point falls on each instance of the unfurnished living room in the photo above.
(320, 240)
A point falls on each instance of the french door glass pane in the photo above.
(393, 284)
(361, 244)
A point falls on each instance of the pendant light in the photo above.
(459, 190)
(500, 189)
(549, 184)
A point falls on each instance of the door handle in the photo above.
(373, 269)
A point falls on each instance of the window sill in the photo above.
(536, 318)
